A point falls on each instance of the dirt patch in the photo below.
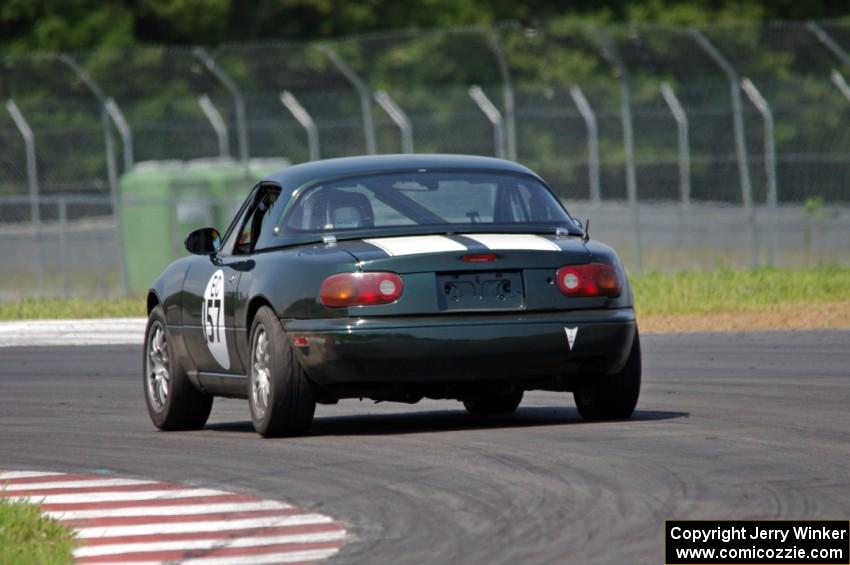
(817, 315)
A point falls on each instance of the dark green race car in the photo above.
(391, 278)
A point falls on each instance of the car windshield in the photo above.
(438, 199)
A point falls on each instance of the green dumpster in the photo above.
(162, 201)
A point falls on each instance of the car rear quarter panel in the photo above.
(601, 253)
(168, 289)
(288, 280)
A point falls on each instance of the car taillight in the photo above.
(592, 279)
(360, 289)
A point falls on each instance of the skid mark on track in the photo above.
(141, 522)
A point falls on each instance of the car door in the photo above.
(209, 292)
(257, 227)
(238, 265)
(210, 302)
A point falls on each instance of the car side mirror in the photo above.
(203, 241)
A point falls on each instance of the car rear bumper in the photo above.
(463, 347)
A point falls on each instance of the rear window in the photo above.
(422, 199)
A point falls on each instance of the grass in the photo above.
(73, 308)
(729, 291)
(762, 298)
(28, 537)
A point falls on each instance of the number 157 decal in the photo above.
(212, 318)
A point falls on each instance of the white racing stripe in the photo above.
(264, 559)
(194, 545)
(421, 244)
(119, 496)
(181, 510)
(513, 241)
(93, 483)
(12, 475)
(416, 245)
(189, 527)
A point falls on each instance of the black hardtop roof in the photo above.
(298, 175)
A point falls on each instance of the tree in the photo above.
(27, 25)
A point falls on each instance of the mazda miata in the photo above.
(394, 278)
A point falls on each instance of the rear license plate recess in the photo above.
(480, 290)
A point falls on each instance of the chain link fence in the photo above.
(686, 147)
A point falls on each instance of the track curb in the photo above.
(141, 521)
(96, 331)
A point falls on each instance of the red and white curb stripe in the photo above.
(139, 522)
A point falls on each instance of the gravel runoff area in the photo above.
(810, 316)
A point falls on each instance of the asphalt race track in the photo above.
(728, 426)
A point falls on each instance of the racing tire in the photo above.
(490, 404)
(173, 402)
(280, 396)
(612, 397)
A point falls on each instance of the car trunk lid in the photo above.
(438, 253)
(469, 272)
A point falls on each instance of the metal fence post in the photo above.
(98, 94)
(362, 91)
(238, 102)
(740, 143)
(173, 226)
(32, 182)
(398, 117)
(769, 158)
(217, 123)
(63, 246)
(838, 80)
(123, 130)
(683, 142)
(111, 166)
(610, 52)
(303, 117)
(507, 95)
(631, 174)
(592, 143)
(105, 114)
(829, 43)
(493, 115)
